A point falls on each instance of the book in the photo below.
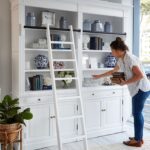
(96, 43)
(117, 77)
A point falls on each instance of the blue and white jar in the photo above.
(41, 62)
(110, 61)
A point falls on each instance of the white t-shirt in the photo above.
(126, 64)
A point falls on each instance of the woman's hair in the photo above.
(119, 44)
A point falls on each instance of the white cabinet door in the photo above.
(92, 115)
(68, 128)
(127, 106)
(39, 127)
(111, 112)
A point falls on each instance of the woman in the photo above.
(138, 85)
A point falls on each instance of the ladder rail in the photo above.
(79, 87)
(53, 86)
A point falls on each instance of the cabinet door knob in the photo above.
(52, 117)
(114, 92)
(39, 99)
(103, 110)
(93, 94)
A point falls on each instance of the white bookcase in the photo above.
(101, 103)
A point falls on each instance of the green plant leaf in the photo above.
(14, 102)
(2, 108)
(27, 110)
(9, 111)
(12, 112)
(26, 115)
(18, 119)
(7, 99)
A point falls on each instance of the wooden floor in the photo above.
(110, 142)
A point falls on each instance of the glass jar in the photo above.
(87, 25)
(63, 23)
(108, 27)
(30, 19)
(97, 26)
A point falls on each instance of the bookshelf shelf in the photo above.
(36, 49)
(63, 70)
(37, 70)
(46, 50)
(46, 70)
(106, 33)
(98, 69)
(96, 51)
(54, 29)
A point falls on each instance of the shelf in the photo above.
(62, 50)
(107, 33)
(46, 50)
(96, 51)
(64, 70)
(39, 92)
(98, 69)
(37, 70)
(64, 60)
(55, 29)
(47, 70)
(36, 49)
(61, 42)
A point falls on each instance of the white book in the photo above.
(93, 62)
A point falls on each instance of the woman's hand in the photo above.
(123, 82)
(108, 73)
(96, 76)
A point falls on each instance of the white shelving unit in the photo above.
(99, 54)
(96, 98)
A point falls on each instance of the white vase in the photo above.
(86, 40)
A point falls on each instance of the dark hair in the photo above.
(119, 44)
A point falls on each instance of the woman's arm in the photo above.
(137, 75)
(106, 73)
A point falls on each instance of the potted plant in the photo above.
(66, 74)
(11, 117)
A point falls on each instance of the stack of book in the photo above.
(117, 77)
(96, 43)
(37, 83)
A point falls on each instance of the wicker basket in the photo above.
(10, 130)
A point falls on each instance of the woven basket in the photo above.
(9, 130)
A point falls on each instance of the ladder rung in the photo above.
(70, 60)
(61, 42)
(68, 98)
(71, 117)
(59, 79)
(62, 50)
(81, 137)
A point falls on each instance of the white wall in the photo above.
(5, 47)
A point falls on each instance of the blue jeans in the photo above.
(137, 106)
